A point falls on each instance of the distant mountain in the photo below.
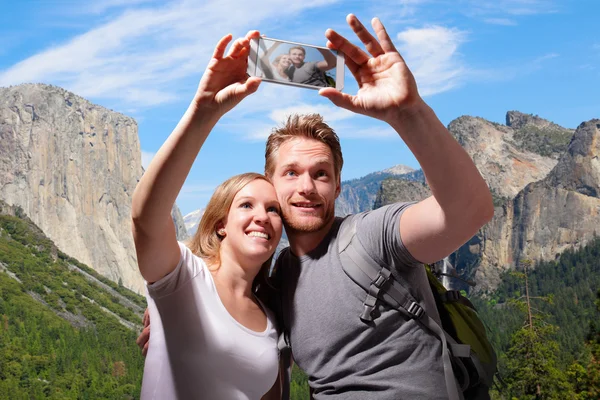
(65, 330)
(192, 220)
(359, 194)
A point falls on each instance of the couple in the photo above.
(291, 67)
(213, 330)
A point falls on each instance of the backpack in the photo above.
(467, 355)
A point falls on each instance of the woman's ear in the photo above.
(220, 228)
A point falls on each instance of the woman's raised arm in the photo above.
(223, 85)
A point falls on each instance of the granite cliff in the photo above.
(546, 183)
(72, 167)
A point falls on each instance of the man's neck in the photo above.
(302, 243)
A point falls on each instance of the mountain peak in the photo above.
(399, 169)
(579, 169)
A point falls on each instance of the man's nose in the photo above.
(306, 185)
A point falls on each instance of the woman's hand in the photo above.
(225, 82)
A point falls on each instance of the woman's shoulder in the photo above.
(189, 267)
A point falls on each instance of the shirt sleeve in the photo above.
(379, 233)
(188, 267)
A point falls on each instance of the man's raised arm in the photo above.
(461, 201)
(329, 62)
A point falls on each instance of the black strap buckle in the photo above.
(415, 310)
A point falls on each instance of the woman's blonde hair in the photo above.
(206, 242)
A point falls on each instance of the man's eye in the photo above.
(321, 174)
(290, 173)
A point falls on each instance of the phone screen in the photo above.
(292, 63)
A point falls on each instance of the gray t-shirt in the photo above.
(345, 358)
(308, 74)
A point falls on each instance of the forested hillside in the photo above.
(65, 331)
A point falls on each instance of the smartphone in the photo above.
(295, 64)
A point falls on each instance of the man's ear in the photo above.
(338, 188)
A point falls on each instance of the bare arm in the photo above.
(265, 63)
(461, 201)
(329, 61)
(223, 85)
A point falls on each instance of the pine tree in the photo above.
(531, 358)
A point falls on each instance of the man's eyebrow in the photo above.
(294, 164)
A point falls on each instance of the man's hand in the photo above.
(225, 82)
(385, 84)
(144, 339)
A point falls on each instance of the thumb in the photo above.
(236, 92)
(338, 98)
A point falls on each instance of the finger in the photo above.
(352, 66)
(143, 338)
(146, 318)
(237, 47)
(145, 350)
(236, 92)
(342, 44)
(386, 43)
(221, 46)
(252, 35)
(365, 36)
(338, 98)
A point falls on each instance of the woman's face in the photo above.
(285, 61)
(254, 223)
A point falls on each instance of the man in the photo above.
(311, 72)
(393, 357)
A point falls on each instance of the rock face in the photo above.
(505, 165)
(547, 217)
(72, 167)
(546, 184)
(394, 189)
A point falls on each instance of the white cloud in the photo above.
(147, 156)
(141, 57)
(432, 55)
(500, 21)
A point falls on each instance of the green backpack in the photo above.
(468, 354)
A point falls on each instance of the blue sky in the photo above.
(144, 58)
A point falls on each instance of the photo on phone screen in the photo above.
(295, 64)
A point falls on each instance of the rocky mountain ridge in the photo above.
(72, 167)
(544, 204)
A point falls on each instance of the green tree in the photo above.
(531, 360)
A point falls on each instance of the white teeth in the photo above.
(259, 234)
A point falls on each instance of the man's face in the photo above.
(297, 56)
(306, 185)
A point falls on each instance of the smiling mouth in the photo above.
(306, 205)
(263, 235)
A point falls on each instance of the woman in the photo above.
(211, 337)
(281, 63)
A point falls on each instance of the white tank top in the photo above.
(197, 350)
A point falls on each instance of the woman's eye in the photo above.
(273, 209)
(245, 205)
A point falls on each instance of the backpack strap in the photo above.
(283, 342)
(379, 284)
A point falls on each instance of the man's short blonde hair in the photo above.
(309, 126)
